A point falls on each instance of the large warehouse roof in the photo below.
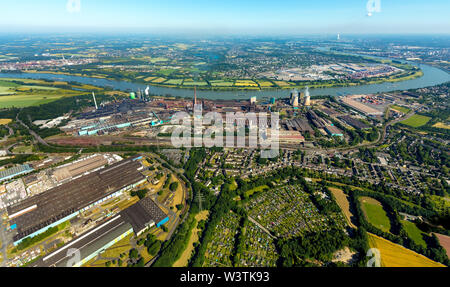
(42, 210)
(91, 242)
(136, 217)
(143, 213)
(14, 171)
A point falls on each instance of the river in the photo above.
(432, 77)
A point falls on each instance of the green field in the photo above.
(6, 86)
(414, 233)
(19, 96)
(174, 82)
(219, 83)
(375, 214)
(416, 121)
(20, 101)
(400, 109)
(189, 83)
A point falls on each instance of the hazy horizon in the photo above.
(286, 17)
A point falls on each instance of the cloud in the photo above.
(73, 6)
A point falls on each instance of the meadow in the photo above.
(193, 239)
(375, 214)
(21, 100)
(414, 233)
(13, 94)
(416, 121)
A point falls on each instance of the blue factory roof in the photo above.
(15, 171)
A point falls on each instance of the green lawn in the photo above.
(375, 214)
(414, 233)
(416, 121)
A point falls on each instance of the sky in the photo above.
(228, 16)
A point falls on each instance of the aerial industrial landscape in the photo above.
(148, 150)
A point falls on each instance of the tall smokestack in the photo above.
(95, 101)
(195, 96)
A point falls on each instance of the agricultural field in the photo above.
(416, 121)
(259, 248)
(158, 59)
(342, 201)
(414, 233)
(375, 214)
(219, 83)
(20, 101)
(245, 83)
(441, 125)
(195, 83)
(5, 121)
(149, 79)
(444, 240)
(220, 249)
(394, 255)
(287, 212)
(265, 84)
(175, 82)
(159, 80)
(16, 95)
(282, 84)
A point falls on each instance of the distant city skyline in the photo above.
(231, 16)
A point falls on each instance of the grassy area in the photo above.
(393, 255)
(375, 214)
(15, 95)
(414, 233)
(123, 246)
(187, 253)
(416, 121)
(400, 109)
(50, 233)
(23, 149)
(256, 189)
